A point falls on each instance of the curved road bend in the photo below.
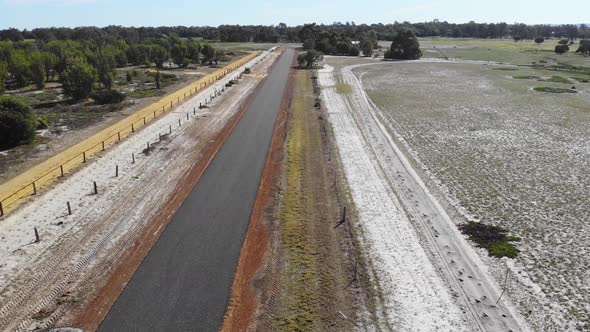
(184, 282)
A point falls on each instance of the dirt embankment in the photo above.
(297, 270)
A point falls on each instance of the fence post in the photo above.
(154, 114)
(37, 238)
(186, 116)
(69, 208)
(95, 188)
(84, 156)
(132, 128)
(102, 145)
(133, 157)
(163, 109)
(194, 110)
(148, 146)
(170, 129)
(144, 120)
(1, 209)
(119, 136)
(116, 171)
(179, 123)
(34, 188)
(159, 137)
(61, 168)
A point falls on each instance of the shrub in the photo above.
(102, 97)
(492, 238)
(554, 90)
(17, 122)
(561, 48)
(78, 80)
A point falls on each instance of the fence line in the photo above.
(117, 133)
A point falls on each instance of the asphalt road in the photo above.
(184, 282)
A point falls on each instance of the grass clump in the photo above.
(343, 88)
(559, 79)
(554, 90)
(493, 238)
(526, 77)
(581, 79)
(505, 69)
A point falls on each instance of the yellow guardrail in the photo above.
(30, 181)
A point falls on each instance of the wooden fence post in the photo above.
(170, 131)
(116, 171)
(132, 128)
(186, 116)
(95, 188)
(34, 188)
(133, 157)
(1, 209)
(84, 156)
(37, 238)
(179, 123)
(69, 208)
(61, 168)
(102, 145)
(119, 136)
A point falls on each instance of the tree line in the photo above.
(83, 65)
(282, 32)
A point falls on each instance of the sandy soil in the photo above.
(421, 265)
(42, 282)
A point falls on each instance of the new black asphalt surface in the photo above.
(184, 282)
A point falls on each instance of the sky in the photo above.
(71, 13)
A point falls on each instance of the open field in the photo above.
(492, 149)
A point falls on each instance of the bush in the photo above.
(102, 97)
(554, 90)
(17, 122)
(247, 71)
(492, 238)
(561, 48)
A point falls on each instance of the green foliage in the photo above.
(561, 48)
(563, 42)
(38, 73)
(208, 54)
(17, 122)
(367, 47)
(158, 55)
(179, 52)
(584, 47)
(78, 80)
(405, 46)
(539, 40)
(3, 76)
(128, 77)
(309, 59)
(102, 97)
(158, 80)
(493, 238)
(20, 68)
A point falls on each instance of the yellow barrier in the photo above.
(30, 181)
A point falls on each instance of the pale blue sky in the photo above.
(43, 13)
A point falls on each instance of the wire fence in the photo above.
(116, 133)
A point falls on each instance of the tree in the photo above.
(158, 80)
(405, 46)
(104, 63)
(584, 48)
(17, 122)
(3, 76)
(49, 62)
(78, 80)
(38, 76)
(560, 49)
(158, 55)
(539, 40)
(367, 47)
(19, 67)
(194, 50)
(208, 54)
(179, 52)
(309, 59)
